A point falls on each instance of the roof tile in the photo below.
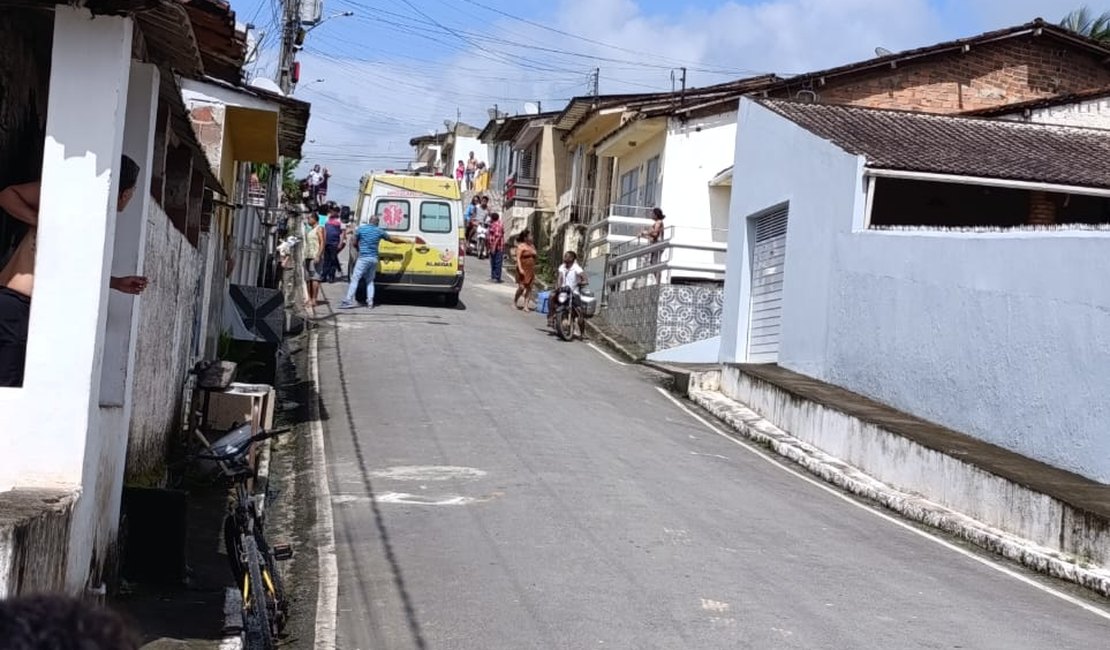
(961, 146)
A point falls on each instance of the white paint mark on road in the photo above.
(1097, 611)
(327, 594)
(715, 606)
(606, 354)
(695, 453)
(678, 537)
(406, 499)
(429, 473)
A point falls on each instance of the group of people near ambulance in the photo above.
(481, 222)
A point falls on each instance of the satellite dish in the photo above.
(449, 124)
(531, 108)
(262, 83)
(882, 51)
(492, 113)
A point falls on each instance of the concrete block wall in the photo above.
(164, 351)
(34, 534)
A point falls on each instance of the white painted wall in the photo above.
(59, 401)
(1004, 336)
(696, 151)
(1092, 113)
(164, 352)
(776, 162)
(463, 146)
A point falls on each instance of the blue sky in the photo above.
(396, 70)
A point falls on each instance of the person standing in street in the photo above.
(471, 170)
(17, 277)
(460, 173)
(313, 250)
(496, 240)
(333, 244)
(367, 239)
(525, 270)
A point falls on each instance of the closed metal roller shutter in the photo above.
(768, 258)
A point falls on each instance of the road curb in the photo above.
(752, 427)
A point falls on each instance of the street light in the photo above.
(341, 14)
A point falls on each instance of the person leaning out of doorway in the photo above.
(17, 277)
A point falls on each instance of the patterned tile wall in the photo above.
(688, 314)
(661, 317)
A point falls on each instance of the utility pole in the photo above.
(291, 24)
(595, 82)
(682, 99)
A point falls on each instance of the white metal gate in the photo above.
(768, 258)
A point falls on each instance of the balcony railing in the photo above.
(256, 195)
(686, 253)
(575, 206)
(617, 252)
(521, 189)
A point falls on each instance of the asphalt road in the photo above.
(496, 488)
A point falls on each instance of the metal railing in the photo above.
(612, 230)
(574, 206)
(696, 254)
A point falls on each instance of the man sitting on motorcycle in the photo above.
(571, 275)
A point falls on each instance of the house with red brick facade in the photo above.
(1029, 62)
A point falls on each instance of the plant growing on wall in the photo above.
(290, 188)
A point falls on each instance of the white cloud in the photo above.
(365, 113)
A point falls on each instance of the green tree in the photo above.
(1086, 22)
(290, 189)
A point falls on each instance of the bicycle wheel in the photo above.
(257, 629)
(279, 606)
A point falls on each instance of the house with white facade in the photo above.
(946, 266)
(106, 371)
(632, 154)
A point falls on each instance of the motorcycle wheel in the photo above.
(564, 325)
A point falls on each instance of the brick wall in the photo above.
(1042, 209)
(993, 74)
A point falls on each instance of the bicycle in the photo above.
(253, 561)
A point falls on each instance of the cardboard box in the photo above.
(237, 404)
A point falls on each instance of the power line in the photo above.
(597, 42)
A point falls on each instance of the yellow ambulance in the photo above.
(429, 207)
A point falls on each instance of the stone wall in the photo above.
(166, 344)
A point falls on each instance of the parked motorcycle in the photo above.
(480, 235)
(572, 310)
